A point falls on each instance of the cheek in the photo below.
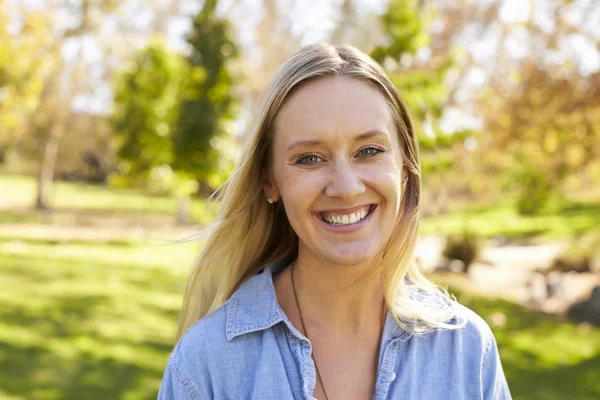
(385, 178)
(299, 190)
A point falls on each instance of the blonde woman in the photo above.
(305, 287)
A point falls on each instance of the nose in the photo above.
(344, 181)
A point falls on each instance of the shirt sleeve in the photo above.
(171, 387)
(494, 382)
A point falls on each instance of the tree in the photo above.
(146, 108)
(22, 71)
(148, 98)
(546, 128)
(421, 82)
(208, 105)
(532, 93)
(49, 120)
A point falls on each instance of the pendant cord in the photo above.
(306, 334)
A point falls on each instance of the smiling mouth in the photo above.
(348, 219)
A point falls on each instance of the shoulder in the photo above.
(463, 361)
(220, 339)
(195, 351)
(463, 347)
(480, 350)
(475, 329)
(471, 336)
(211, 333)
(187, 375)
(207, 333)
(213, 356)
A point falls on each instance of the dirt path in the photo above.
(509, 272)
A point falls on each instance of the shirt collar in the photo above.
(254, 307)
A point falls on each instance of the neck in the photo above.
(326, 303)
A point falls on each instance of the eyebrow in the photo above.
(362, 136)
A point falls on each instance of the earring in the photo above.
(270, 200)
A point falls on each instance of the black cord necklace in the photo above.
(306, 334)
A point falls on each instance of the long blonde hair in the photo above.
(249, 233)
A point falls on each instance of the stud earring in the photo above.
(270, 200)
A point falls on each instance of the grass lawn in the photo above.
(86, 321)
(96, 321)
(560, 220)
(18, 192)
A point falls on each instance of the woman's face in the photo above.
(337, 167)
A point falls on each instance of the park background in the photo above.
(118, 119)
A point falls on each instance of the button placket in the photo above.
(302, 350)
(386, 374)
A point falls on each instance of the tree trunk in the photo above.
(184, 214)
(46, 174)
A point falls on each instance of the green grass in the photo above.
(543, 359)
(86, 321)
(18, 192)
(97, 321)
(561, 220)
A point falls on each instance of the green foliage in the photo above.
(209, 105)
(404, 29)
(546, 123)
(534, 192)
(147, 98)
(147, 102)
(422, 87)
(21, 73)
(531, 184)
(465, 248)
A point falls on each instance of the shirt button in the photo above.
(392, 376)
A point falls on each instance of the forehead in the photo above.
(335, 108)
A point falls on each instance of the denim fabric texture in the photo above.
(248, 349)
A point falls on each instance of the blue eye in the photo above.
(370, 151)
(308, 159)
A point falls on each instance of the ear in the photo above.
(269, 187)
(271, 192)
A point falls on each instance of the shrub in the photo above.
(582, 255)
(535, 189)
(465, 248)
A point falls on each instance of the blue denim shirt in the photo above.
(248, 349)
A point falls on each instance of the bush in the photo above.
(465, 248)
(535, 189)
(582, 255)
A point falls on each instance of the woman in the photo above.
(305, 286)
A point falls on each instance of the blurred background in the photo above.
(119, 118)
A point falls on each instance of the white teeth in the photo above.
(346, 219)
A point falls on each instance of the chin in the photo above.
(354, 257)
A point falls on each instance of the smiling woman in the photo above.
(306, 287)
